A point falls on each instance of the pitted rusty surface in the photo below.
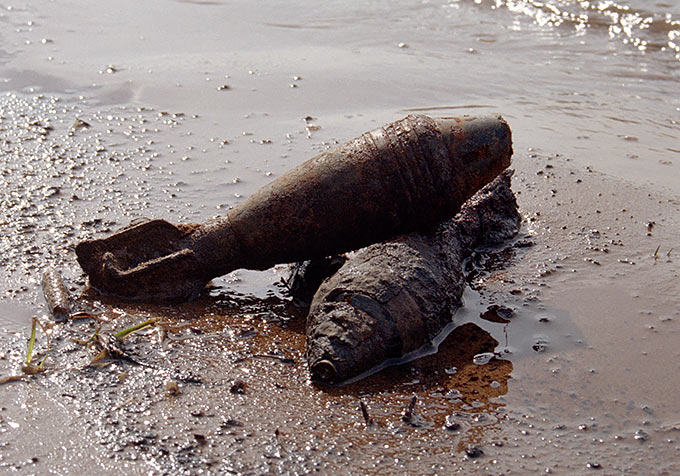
(394, 297)
(408, 175)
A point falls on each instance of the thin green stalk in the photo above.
(31, 343)
(122, 334)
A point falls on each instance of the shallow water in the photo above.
(192, 106)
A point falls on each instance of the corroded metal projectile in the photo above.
(392, 298)
(405, 176)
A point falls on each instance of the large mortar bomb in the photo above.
(405, 176)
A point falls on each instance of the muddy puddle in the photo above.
(563, 359)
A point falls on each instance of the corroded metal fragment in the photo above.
(56, 294)
(391, 298)
(405, 176)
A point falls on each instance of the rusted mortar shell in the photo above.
(394, 297)
(405, 176)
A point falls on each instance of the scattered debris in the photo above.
(172, 387)
(364, 412)
(282, 358)
(82, 315)
(474, 451)
(56, 295)
(407, 415)
(238, 387)
(108, 347)
(80, 124)
(451, 424)
(12, 378)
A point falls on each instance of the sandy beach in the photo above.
(180, 110)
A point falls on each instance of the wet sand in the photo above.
(586, 372)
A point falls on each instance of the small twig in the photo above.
(364, 412)
(12, 378)
(102, 355)
(75, 340)
(125, 403)
(282, 358)
(81, 315)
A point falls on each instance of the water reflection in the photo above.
(638, 27)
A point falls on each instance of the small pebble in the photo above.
(239, 387)
(451, 424)
(474, 451)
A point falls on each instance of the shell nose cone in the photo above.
(324, 371)
(490, 133)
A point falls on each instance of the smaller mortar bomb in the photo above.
(394, 297)
(405, 176)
